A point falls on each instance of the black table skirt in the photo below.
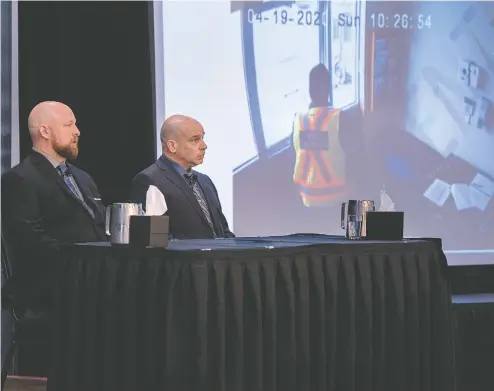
(342, 317)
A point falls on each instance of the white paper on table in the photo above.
(155, 202)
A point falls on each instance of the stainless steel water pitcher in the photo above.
(356, 217)
(117, 221)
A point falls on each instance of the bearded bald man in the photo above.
(192, 200)
(47, 201)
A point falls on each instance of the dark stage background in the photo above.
(95, 57)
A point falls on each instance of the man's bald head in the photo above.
(182, 140)
(173, 128)
(53, 130)
(45, 114)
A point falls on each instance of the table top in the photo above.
(268, 242)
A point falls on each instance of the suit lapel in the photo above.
(173, 176)
(66, 189)
(84, 189)
(51, 172)
(81, 188)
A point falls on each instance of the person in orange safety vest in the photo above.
(320, 160)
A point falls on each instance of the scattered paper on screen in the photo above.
(484, 184)
(438, 192)
(461, 195)
(482, 190)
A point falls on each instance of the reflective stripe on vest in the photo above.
(318, 160)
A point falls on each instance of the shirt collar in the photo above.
(50, 158)
(182, 171)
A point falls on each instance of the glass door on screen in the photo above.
(341, 57)
(282, 56)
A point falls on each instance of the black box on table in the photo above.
(384, 225)
(149, 231)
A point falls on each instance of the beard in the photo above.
(69, 151)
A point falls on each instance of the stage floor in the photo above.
(473, 298)
(16, 383)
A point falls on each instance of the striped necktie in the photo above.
(192, 181)
(69, 180)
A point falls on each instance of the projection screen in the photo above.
(399, 96)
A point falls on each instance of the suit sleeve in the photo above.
(21, 216)
(224, 223)
(139, 188)
(94, 187)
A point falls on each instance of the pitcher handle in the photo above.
(107, 220)
(343, 215)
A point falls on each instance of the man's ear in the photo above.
(172, 146)
(44, 131)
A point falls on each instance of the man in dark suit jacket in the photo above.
(193, 204)
(47, 202)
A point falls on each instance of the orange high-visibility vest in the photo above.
(320, 160)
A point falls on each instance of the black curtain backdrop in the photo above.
(96, 58)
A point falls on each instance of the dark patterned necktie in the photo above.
(192, 181)
(69, 180)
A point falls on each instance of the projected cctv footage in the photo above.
(308, 104)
